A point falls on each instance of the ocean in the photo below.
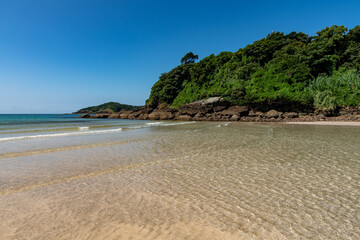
(63, 177)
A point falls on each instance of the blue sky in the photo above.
(61, 55)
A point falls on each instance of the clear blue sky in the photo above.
(61, 55)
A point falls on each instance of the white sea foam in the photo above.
(85, 130)
(177, 123)
(154, 123)
(60, 134)
(168, 123)
(224, 124)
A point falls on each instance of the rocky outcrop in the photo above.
(236, 110)
(290, 115)
(114, 115)
(101, 115)
(184, 118)
(273, 114)
(86, 115)
(204, 106)
(217, 109)
(162, 114)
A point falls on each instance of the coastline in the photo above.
(217, 109)
(155, 180)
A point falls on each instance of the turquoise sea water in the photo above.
(22, 126)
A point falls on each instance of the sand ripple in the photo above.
(198, 181)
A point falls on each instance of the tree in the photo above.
(189, 58)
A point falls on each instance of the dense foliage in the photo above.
(109, 107)
(337, 90)
(292, 69)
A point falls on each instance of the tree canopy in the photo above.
(280, 69)
(189, 58)
(107, 108)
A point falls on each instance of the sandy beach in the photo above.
(327, 123)
(170, 180)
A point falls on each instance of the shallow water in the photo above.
(191, 181)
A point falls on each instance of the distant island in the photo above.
(277, 77)
(109, 107)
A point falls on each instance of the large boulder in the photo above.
(162, 114)
(185, 118)
(203, 106)
(131, 116)
(236, 110)
(259, 114)
(219, 108)
(86, 115)
(251, 113)
(199, 117)
(114, 115)
(290, 115)
(143, 116)
(273, 114)
(124, 114)
(102, 115)
(234, 117)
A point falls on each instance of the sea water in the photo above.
(63, 177)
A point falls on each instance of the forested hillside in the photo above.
(109, 107)
(295, 69)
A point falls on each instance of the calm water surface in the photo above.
(67, 178)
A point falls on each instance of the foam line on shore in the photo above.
(155, 124)
(84, 130)
(60, 134)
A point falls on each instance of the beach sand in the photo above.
(209, 180)
(328, 123)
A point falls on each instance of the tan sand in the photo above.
(328, 123)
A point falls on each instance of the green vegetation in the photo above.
(337, 90)
(109, 107)
(280, 70)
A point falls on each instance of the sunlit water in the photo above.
(68, 178)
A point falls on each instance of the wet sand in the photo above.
(328, 123)
(196, 181)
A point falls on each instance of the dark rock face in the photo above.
(114, 115)
(236, 110)
(124, 114)
(143, 116)
(290, 115)
(199, 117)
(102, 115)
(184, 118)
(259, 114)
(161, 115)
(86, 115)
(251, 113)
(204, 106)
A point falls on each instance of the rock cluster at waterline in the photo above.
(217, 109)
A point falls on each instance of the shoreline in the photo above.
(327, 123)
(217, 109)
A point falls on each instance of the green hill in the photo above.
(296, 69)
(109, 107)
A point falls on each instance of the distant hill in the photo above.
(109, 107)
